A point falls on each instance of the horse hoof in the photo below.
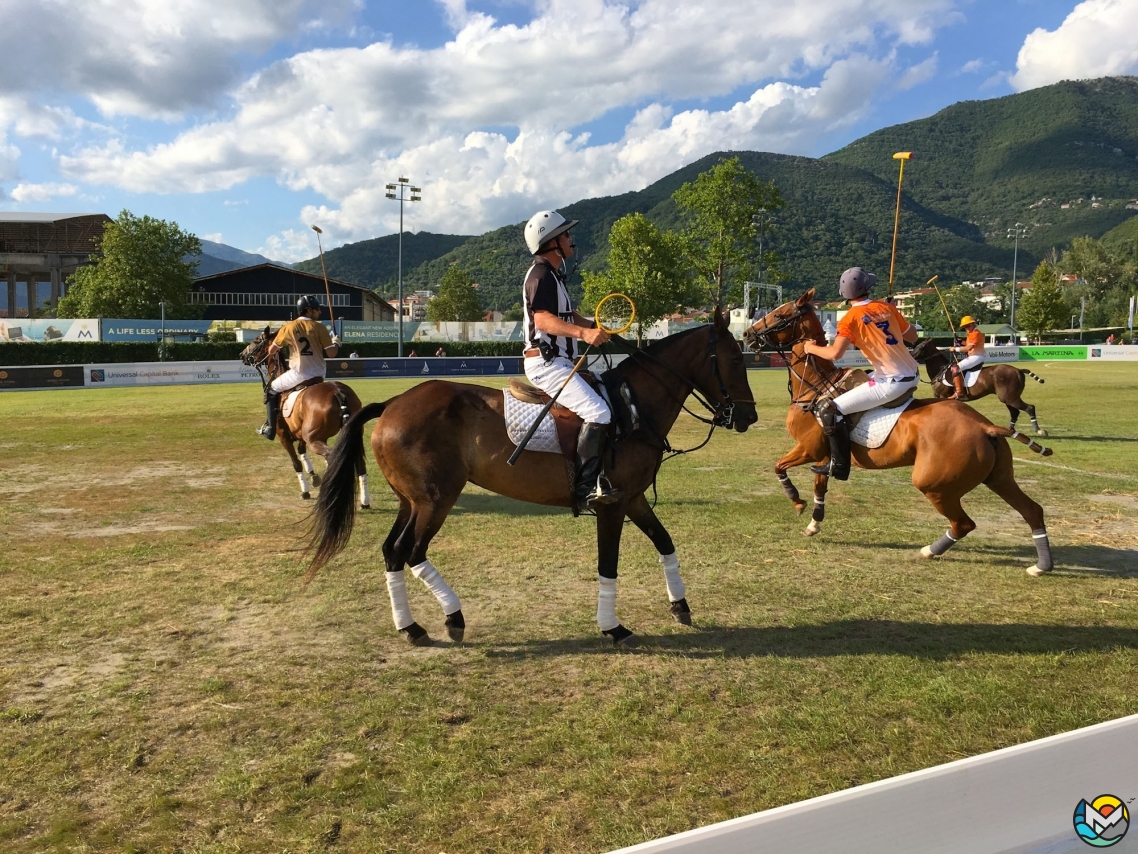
(1035, 571)
(417, 635)
(365, 506)
(306, 495)
(622, 638)
(1040, 432)
(315, 478)
(927, 552)
(798, 508)
(681, 613)
(456, 626)
(811, 530)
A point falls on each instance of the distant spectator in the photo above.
(759, 314)
(412, 355)
(353, 355)
(440, 352)
(1110, 338)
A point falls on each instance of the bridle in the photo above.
(765, 340)
(257, 355)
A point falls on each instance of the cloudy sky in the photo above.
(246, 121)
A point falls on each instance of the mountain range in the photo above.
(1061, 160)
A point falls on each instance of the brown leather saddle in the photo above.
(567, 422)
(854, 377)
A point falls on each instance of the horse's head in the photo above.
(723, 379)
(925, 350)
(784, 326)
(257, 351)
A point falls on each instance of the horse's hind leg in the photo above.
(301, 475)
(1002, 482)
(302, 453)
(395, 551)
(645, 519)
(361, 473)
(425, 523)
(960, 525)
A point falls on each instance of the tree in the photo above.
(457, 298)
(1044, 306)
(646, 265)
(1093, 263)
(142, 263)
(718, 235)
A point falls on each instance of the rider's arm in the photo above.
(910, 335)
(832, 352)
(553, 325)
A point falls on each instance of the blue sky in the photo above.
(246, 122)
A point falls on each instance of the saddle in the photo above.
(567, 422)
(290, 397)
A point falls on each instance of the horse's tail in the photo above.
(335, 511)
(1008, 433)
(1035, 377)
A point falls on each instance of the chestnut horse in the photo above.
(435, 438)
(951, 447)
(1004, 381)
(317, 415)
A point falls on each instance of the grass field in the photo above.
(168, 685)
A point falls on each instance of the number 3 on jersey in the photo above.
(883, 325)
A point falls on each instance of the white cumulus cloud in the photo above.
(1096, 40)
(42, 192)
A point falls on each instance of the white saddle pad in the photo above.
(290, 401)
(970, 378)
(876, 425)
(519, 417)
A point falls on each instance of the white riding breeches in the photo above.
(971, 363)
(874, 393)
(291, 378)
(578, 394)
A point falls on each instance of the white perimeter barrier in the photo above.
(168, 373)
(1019, 800)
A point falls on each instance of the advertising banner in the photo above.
(52, 376)
(169, 373)
(387, 330)
(1113, 353)
(53, 329)
(341, 368)
(473, 331)
(1001, 354)
(1052, 354)
(150, 330)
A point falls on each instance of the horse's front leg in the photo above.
(285, 438)
(821, 484)
(610, 525)
(642, 515)
(798, 456)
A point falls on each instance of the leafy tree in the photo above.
(1043, 307)
(647, 265)
(457, 298)
(141, 264)
(718, 234)
(1094, 264)
(514, 312)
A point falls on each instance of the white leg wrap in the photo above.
(397, 591)
(365, 496)
(427, 573)
(606, 604)
(307, 463)
(303, 478)
(676, 589)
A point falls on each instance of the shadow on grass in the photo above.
(935, 641)
(500, 505)
(1097, 560)
(1099, 438)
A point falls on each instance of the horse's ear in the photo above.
(805, 299)
(720, 321)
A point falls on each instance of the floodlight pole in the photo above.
(759, 221)
(1015, 232)
(398, 192)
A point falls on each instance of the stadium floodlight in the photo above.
(1017, 232)
(402, 191)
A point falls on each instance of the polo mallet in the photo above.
(951, 326)
(614, 314)
(327, 292)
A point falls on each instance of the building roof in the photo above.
(317, 279)
(29, 217)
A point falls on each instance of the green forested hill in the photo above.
(978, 167)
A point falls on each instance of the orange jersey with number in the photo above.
(974, 343)
(306, 340)
(876, 328)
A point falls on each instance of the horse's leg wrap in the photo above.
(789, 488)
(365, 496)
(606, 604)
(819, 514)
(1042, 552)
(942, 545)
(307, 463)
(676, 589)
(427, 573)
(305, 488)
(397, 592)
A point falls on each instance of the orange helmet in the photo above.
(967, 320)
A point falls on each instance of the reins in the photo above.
(827, 382)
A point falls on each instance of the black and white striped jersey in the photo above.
(545, 290)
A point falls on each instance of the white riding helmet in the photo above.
(543, 226)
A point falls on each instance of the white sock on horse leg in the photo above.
(303, 478)
(397, 591)
(307, 463)
(606, 604)
(427, 573)
(365, 496)
(676, 589)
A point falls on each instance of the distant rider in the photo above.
(973, 350)
(551, 328)
(879, 331)
(308, 344)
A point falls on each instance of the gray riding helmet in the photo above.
(856, 283)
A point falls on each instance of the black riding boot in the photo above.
(592, 486)
(839, 466)
(272, 408)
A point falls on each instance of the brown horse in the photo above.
(1004, 381)
(317, 415)
(435, 438)
(951, 447)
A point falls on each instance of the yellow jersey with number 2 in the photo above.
(876, 328)
(306, 340)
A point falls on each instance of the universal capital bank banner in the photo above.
(168, 373)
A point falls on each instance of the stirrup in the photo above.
(267, 431)
(605, 493)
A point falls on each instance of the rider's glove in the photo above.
(336, 340)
